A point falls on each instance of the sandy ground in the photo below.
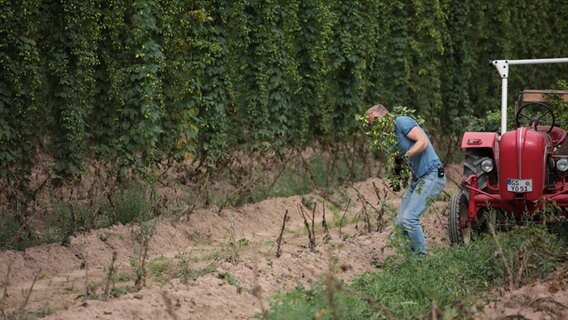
(212, 265)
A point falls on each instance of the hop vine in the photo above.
(383, 141)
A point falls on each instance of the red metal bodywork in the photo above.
(523, 155)
(480, 140)
(518, 154)
(530, 154)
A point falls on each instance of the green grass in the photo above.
(132, 201)
(159, 266)
(43, 312)
(407, 287)
(10, 236)
(122, 277)
(320, 172)
(230, 279)
(69, 217)
(119, 291)
(187, 273)
(289, 183)
(131, 204)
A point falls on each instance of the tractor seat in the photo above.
(557, 134)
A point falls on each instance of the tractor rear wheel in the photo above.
(457, 219)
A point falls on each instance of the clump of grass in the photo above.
(43, 312)
(10, 236)
(231, 279)
(289, 183)
(142, 236)
(68, 217)
(158, 266)
(450, 281)
(230, 251)
(131, 204)
(119, 291)
(188, 273)
(122, 277)
(320, 171)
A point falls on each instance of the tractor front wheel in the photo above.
(461, 232)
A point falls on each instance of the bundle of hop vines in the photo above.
(383, 141)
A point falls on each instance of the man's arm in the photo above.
(420, 142)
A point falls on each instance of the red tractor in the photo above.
(512, 176)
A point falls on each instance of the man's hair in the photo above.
(377, 109)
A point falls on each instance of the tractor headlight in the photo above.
(487, 165)
(562, 165)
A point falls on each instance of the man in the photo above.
(428, 178)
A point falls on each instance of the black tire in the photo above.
(472, 165)
(457, 213)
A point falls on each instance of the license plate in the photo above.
(519, 185)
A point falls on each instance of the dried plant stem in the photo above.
(364, 212)
(502, 256)
(146, 234)
(326, 234)
(233, 243)
(343, 217)
(141, 273)
(523, 259)
(443, 213)
(310, 229)
(203, 188)
(87, 286)
(381, 223)
(364, 200)
(5, 292)
(279, 240)
(313, 225)
(20, 313)
(22, 308)
(110, 274)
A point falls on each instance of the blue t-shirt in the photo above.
(423, 162)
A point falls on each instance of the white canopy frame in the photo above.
(502, 67)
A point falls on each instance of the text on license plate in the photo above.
(519, 185)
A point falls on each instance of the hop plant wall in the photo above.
(135, 83)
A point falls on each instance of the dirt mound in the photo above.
(540, 300)
(209, 265)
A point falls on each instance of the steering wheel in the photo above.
(535, 114)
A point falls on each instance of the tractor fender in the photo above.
(479, 140)
(485, 140)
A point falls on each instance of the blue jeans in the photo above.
(414, 203)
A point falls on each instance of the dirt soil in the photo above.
(223, 265)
